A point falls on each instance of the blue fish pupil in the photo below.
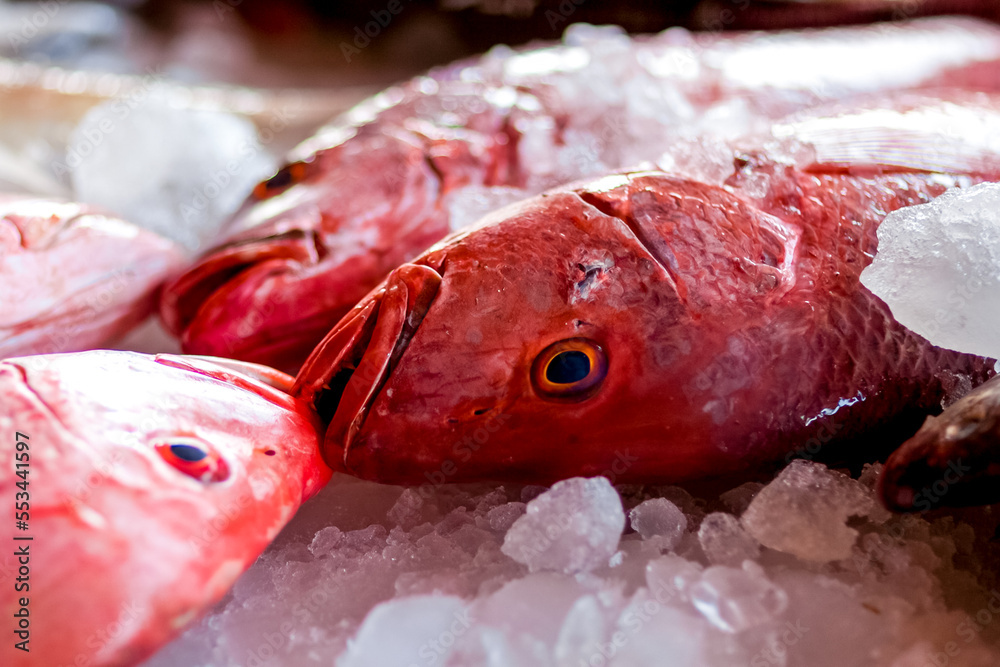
(188, 452)
(568, 367)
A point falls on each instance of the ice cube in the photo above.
(658, 517)
(408, 631)
(573, 527)
(670, 577)
(734, 599)
(938, 269)
(582, 633)
(804, 512)
(177, 172)
(406, 513)
(724, 541)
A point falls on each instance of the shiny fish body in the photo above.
(129, 543)
(73, 277)
(387, 179)
(723, 324)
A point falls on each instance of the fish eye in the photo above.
(287, 176)
(570, 369)
(193, 458)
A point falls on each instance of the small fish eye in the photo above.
(286, 177)
(188, 452)
(567, 367)
(194, 458)
(570, 369)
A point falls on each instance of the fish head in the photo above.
(308, 244)
(84, 278)
(155, 482)
(547, 341)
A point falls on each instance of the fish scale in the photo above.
(379, 184)
(731, 317)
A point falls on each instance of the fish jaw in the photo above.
(351, 365)
(296, 262)
(151, 547)
(83, 278)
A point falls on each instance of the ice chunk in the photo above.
(407, 510)
(177, 172)
(406, 631)
(573, 527)
(319, 594)
(582, 633)
(670, 577)
(804, 512)
(536, 604)
(938, 268)
(503, 517)
(736, 599)
(724, 541)
(654, 634)
(658, 517)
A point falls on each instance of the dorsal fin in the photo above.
(954, 136)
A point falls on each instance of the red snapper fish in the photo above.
(74, 278)
(140, 487)
(654, 327)
(400, 171)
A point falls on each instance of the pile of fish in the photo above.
(494, 272)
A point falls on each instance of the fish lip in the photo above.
(347, 371)
(185, 295)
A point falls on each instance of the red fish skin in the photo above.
(377, 183)
(127, 550)
(732, 316)
(74, 277)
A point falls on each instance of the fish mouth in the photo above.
(348, 369)
(184, 296)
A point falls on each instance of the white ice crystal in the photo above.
(724, 541)
(805, 511)
(177, 172)
(574, 527)
(938, 268)
(369, 574)
(658, 517)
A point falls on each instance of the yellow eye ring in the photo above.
(570, 369)
(287, 176)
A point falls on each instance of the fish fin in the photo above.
(938, 136)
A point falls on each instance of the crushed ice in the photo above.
(177, 172)
(806, 570)
(938, 268)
